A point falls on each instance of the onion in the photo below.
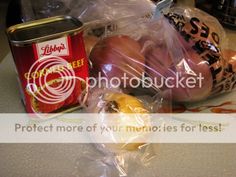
(161, 67)
(116, 56)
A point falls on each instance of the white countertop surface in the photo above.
(172, 160)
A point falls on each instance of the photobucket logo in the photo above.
(52, 80)
(175, 81)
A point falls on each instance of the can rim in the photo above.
(48, 20)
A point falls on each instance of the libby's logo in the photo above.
(49, 49)
(56, 47)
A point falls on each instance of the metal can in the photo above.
(51, 63)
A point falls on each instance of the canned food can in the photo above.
(51, 62)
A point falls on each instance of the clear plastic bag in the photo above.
(117, 108)
(203, 34)
(113, 159)
(127, 164)
(86, 10)
(182, 52)
(125, 152)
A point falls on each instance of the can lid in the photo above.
(43, 29)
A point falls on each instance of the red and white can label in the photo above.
(54, 74)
